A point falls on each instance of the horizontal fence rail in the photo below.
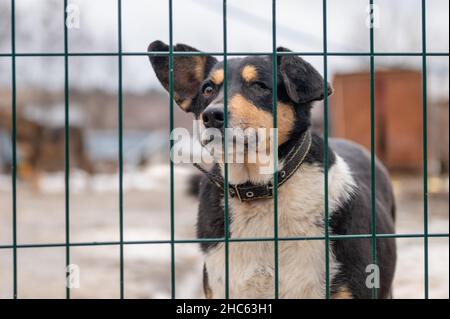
(195, 53)
(221, 240)
(227, 239)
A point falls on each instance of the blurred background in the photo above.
(93, 98)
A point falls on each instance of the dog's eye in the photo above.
(259, 86)
(208, 90)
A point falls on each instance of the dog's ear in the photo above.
(302, 81)
(189, 72)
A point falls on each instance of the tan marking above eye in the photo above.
(217, 77)
(249, 73)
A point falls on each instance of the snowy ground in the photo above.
(94, 207)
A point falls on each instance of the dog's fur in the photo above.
(301, 205)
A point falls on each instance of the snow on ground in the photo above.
(94, 217)
(139, 180)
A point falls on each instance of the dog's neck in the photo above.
(240, 173)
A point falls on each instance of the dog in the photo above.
(198, 88)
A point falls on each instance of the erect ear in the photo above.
(189, 72)
(302, 81)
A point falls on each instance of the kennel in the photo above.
(172, 243)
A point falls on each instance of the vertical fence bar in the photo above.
(14, 146)
(120, 115)
(425, 144)
(225, 190)
(67, 150)
(275, 144)
(172, 202)
(325, 117)
(372, 142)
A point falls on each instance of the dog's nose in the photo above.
(213, 118)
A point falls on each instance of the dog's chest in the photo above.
(301, 263)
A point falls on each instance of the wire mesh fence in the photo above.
(173, 243)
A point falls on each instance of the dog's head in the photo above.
(198, 88)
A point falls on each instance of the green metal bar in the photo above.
(14, 147)
(325, 117)
(275, 147)
(425, 144)
(120, 115)
(225, 191)
(221, 240)
(372, 145)
(67, 149)
(194, 53)
(172, 191)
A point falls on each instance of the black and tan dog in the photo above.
(198, 88)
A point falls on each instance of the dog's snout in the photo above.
(213, 118)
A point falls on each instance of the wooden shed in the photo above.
(398, 114)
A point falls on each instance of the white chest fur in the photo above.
(301, 262)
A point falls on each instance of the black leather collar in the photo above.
(249, 191)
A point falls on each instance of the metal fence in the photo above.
(372, 54)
